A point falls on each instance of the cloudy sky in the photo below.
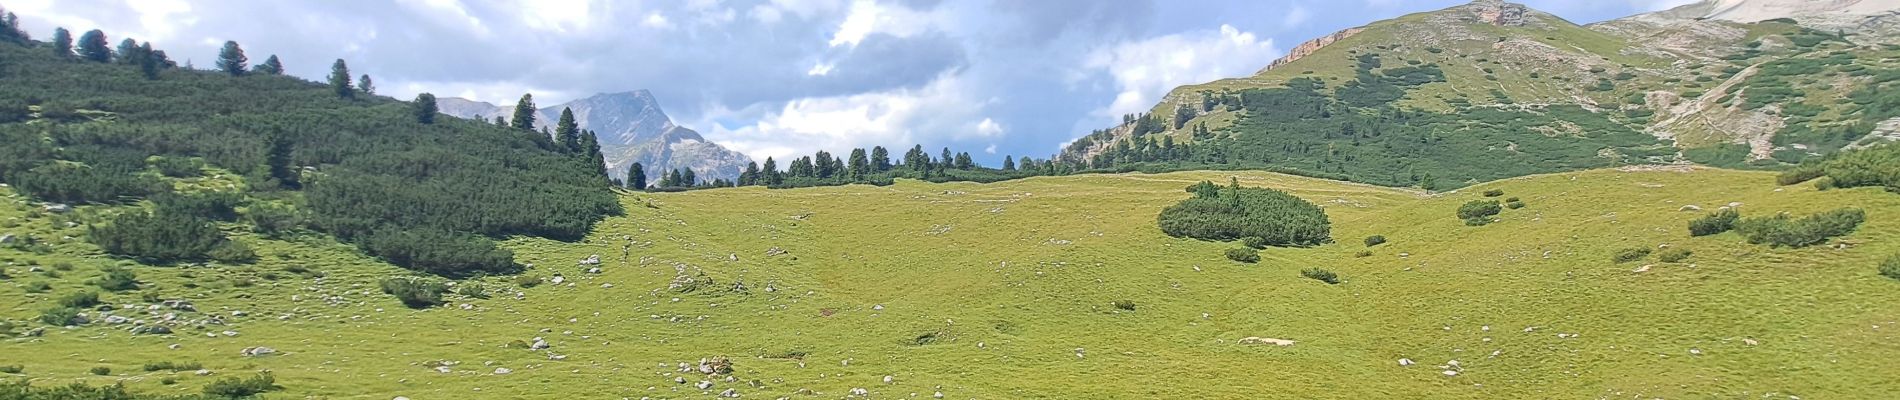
(778, 77)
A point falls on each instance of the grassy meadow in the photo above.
(1007, 290)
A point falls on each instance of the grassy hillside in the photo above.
(1005, 290)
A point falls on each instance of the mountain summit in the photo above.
(632, 128)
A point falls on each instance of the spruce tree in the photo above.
(687, 179)
(10, 28)
(567, 133)
(128, 49)
(425, 107)
(859, 164)
(231, 59)
(93, 46)
(1008, 165)
(768, 173)
(340, 80)
(750, 176)
(524, 113)
(148, 61)
(637, 177)
(880, 159)
(364, 85)
(62, 43)
(590, 145)
(271, 66)
(279, 162)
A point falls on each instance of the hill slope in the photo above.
(1710, 91)
(808, 299)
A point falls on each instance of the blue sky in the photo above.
(781, 77)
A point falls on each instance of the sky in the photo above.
(779, 77)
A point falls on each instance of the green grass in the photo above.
(987, 290)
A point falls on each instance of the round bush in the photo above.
(1230, 213)
(1244, 254)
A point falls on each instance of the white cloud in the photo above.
(445, 12)
(867, 17)
(989, 128)
(821, 69)
(990, 150)
(1296, 17)
(943, 110)
(1145, 70)
(656, 21)
(160, 19)
(556, 15)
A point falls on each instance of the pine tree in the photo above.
(279, 162)
(271, 66)
(637, 176)
(340, 80)
(364, 85)
(880, 159)
(750, 176)
(524, 113)
(231, 59)
(148, 61)
(947, 159)
(964, 161)
(687, 179)
(567, 133)
(590, 145)
(425, 107)
(62, 43)
(128, 49)
(821, 165)
(1008, 165)
(769, 174)
(500, 122)
(93, 46)
(859, 166)
(10, 28)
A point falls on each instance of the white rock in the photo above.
(1451, 373)
(703, 385)
(888, 379)
(1405, 362)
(557, 279)
(503, 371)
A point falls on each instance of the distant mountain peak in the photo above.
(632, 128)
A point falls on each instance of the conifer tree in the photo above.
(859, 165)
(340, 80)
(637, 176)
(750, 176)
(524, 113)
(271, 66)
(231, 59)
(127, 49)
(880, 159)
(148, 61)
(425, 107)
(590, 145)
(364, 85)
(687, 179)
(93, 46)
(768, 173)
(62, 43)
(1008, 165)
(567, 133)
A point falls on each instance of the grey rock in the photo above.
(257, 351)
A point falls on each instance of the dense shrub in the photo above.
(59, 316)
(1514, 205)
(12, 369)
(1494, 193)
(157, 237)
(1125, 305)
(173, 366)
(273, 220)
(527, 281)
(101, 371)
(1877, 166)
(1630, 254)
(1782, 230)
(118, 279)
(233, 252)
(1479, 209)
(1891, 268)
(1254, 242)
(1674, 254)
(1244, 254)
(216, 206)
(80, 300)
(441, 252)
(76, 183)
(472, 290)
(1375, 240)
(178, 167)
(415, 292)
(1234, 212)
(1717, 222)
(38, 287)
(235, 387)
(1321, 275)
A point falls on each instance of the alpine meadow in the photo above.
(1469, 201)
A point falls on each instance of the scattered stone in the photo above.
(58, 208)
(202, 372)
(703, 385)
(938, 395)
(1642, 269)
(174, 346)
(1695, 351)
(679, 379)
(153, 330)
(538, 344)
(860, 392)
(503, 371)
(732, 393)
(1451, 373)
(557, 357)
(877, 307)
(35, 332)
(443, 369)
(257, 351)
(606, 286)
(230, 333)
(591, 260)
(557, 279)
(1079, 352)
(1405, 362)
(888, 379)
(6, 239)
(1261, 340)
(1690, 207)
(116, 320)
(1750, 342)
(774, 251)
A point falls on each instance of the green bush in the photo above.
(415, 292)
(215, 206)
(1363, 254)
(157, 237)
(1891, 268)
(12, 369)
(59, 316)
(118, 279)
(1375, 240)
(472, 290)
(80, 300)
(101, 371)
(1784, 231)
(1321, 275)
(173, 366)
(273, 220)
(1494, 193)
(1479, 221)
(1674, 254)
(38, 287)
(1125, 305)
(1234, 212)
(441, 252)
(1244, 254)
(1717, 222)
(1479, 209)
(1254, 242)
(235, 387)
(178, 167)
(1514, 205)
(1630, 254)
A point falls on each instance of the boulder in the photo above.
(591, 260)
(538, 344)
(503, 371)
(703, 385)
(152, 330)
(257, 351)
(58, 208)
(732, 393)
(6, 239)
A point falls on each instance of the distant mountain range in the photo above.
(632, 128)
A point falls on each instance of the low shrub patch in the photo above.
(1674, 254)
(101, 371)
(1375, 240)
(235, 387)
(1494, 193)
(1720, 221)
(59, 316)
(173, 366)
(1232, 212)
(1126, 305)
(1244, 254)
(1630, 254)
(1479, 210)
(415, 292)
(1782, 230)
(80, 300)
(1891, 268)
(118, 279)
(1321, 275)
(1254, 242)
